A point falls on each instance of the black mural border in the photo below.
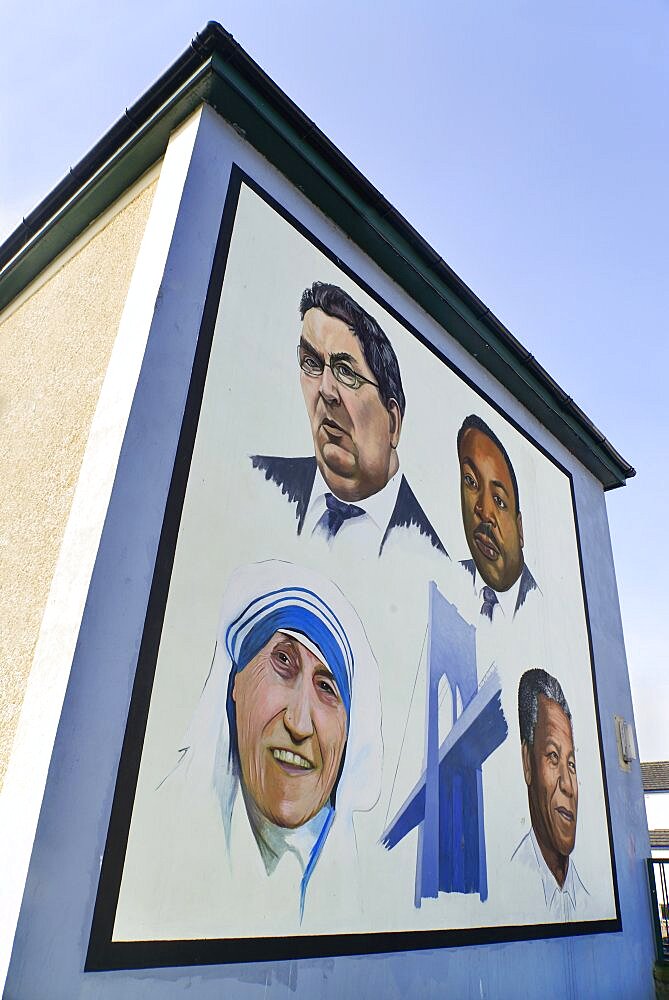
(104, 953)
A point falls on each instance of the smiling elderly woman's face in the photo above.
(291, 730)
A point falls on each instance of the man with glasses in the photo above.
(352, 389)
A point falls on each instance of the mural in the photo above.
(492, 521)
(347, 732)
(284, 744)
(353, 479)
(549, 766)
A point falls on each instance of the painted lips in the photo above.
(332, 429)
(566, 814)
(485, 545)
(334, 442)
(291, 762)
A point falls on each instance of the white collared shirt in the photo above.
(507, 599)
(366, 529)
(563, 903)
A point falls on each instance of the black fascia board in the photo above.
(216, 70)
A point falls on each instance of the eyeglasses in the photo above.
(342, 371)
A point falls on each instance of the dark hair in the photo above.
(533, 683)
(376, 347)
(473, 422)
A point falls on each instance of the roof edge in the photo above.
(191, 79)
(199, 50)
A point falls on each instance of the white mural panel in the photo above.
(367, 703)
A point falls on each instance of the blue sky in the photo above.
(527, 142)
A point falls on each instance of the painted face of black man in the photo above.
(550, 774)
(493, 526)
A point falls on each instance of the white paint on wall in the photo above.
(657, 810)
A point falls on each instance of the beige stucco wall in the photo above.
(54, 350)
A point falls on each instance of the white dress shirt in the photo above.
(366, 529)
(562, 903)
(506, 606)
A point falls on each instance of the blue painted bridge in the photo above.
(446, 804)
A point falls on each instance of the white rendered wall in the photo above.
(657, 810)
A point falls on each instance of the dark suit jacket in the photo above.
(527, 582)
(295, 477)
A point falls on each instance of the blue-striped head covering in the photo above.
(260, 600)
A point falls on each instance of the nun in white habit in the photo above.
(283, 749)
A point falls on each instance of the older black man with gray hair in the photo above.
(549, 768)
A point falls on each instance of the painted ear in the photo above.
(519, 521)
(234, 689)
(395, 422)
(527, 767)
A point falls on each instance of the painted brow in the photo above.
(500, 486)
(322, 671)
(558, 747)
(334, 358)
(343, 356)
(306, 346)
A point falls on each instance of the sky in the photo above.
(527, 142)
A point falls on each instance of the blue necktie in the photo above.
(490, 599)
(337, 512)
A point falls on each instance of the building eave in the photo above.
(217, 71)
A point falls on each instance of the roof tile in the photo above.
(655, 775)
